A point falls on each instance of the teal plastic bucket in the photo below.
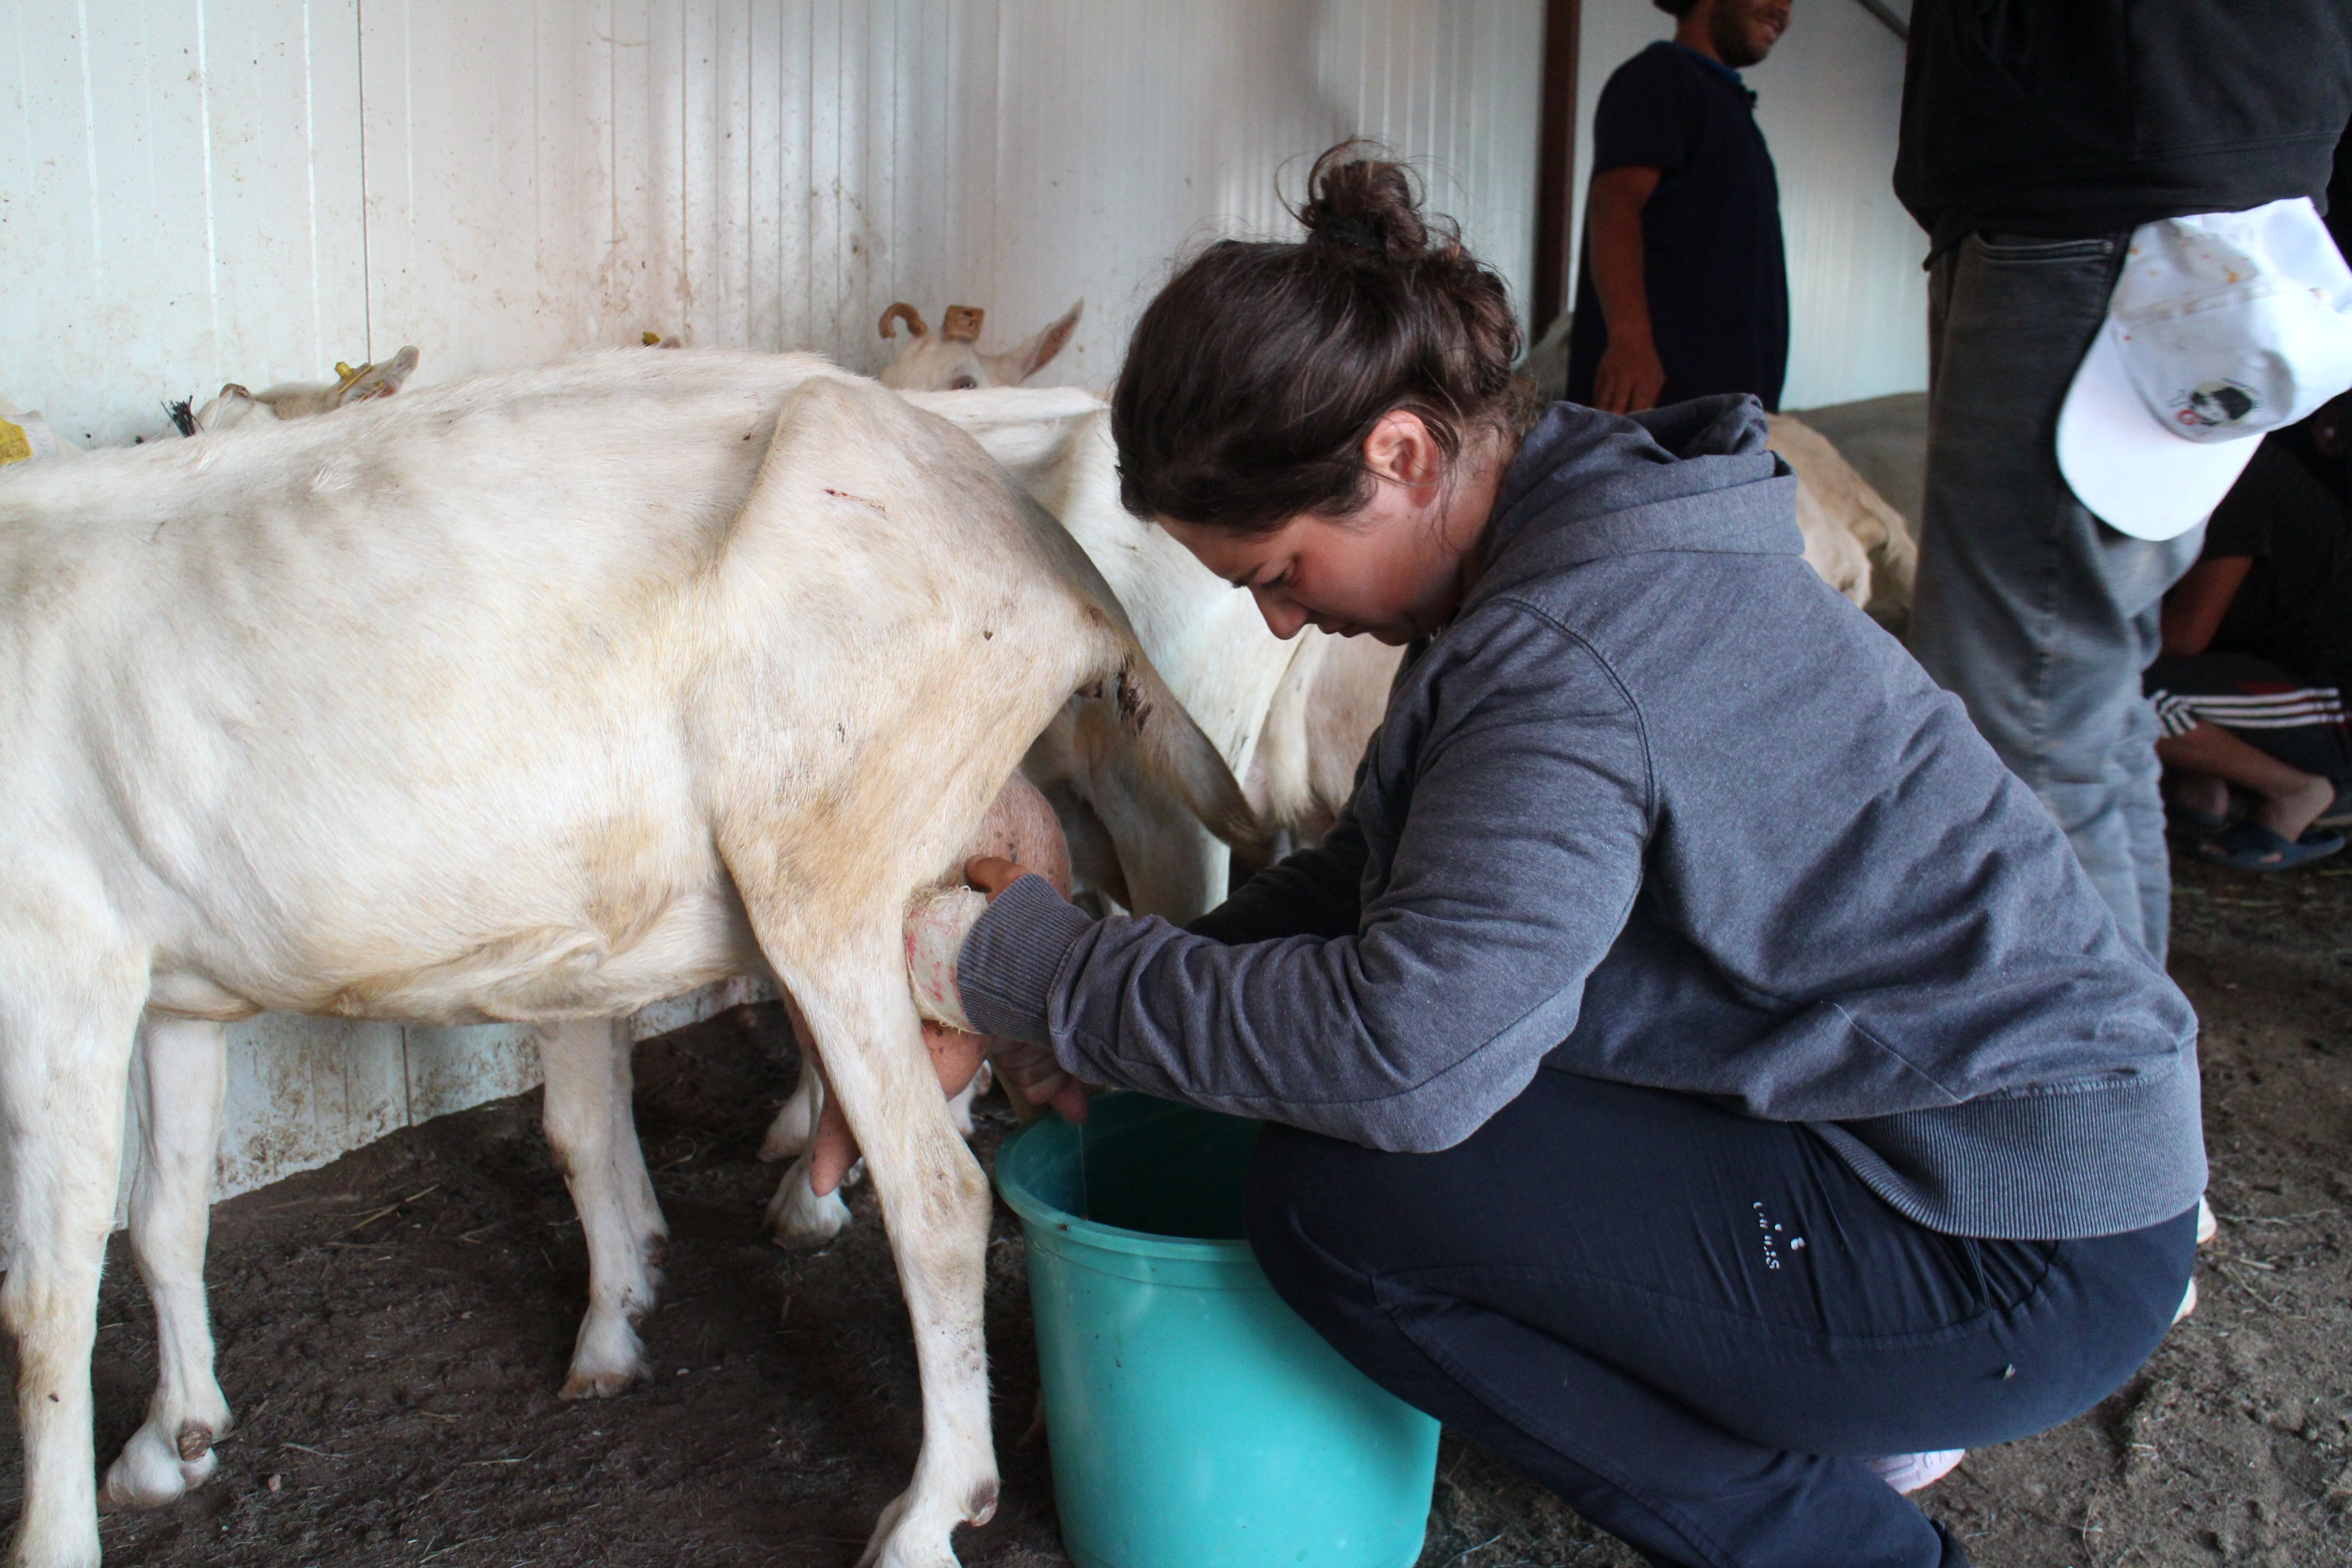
(1196, 1420)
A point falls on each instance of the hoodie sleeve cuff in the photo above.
(1006, 972)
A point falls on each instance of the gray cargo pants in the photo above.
(2037, 615)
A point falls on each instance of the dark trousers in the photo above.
(1688, 1322)
(2036, 614)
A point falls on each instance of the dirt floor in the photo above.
(392, 1329)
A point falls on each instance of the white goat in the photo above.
(300, 400)
(1859, 544)
(951, 359)
(372, 716)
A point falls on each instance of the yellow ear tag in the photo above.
(650, 339)
(345, 375)
(16, 447)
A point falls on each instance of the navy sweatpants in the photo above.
(1689, 1323)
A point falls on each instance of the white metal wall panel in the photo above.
(250, 190)
(185, 207)
(1828, 100)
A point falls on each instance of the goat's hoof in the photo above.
(608, 1358)
(898, 1541)
(598, 1385)
(798, 1217)
(150, 1472)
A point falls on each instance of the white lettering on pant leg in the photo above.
(1776, 1237)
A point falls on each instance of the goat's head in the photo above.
(950, 359)
(299, 400)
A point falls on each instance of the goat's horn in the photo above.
(902, 312)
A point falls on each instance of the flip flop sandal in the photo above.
(2249, 846)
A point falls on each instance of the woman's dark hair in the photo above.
(1253, 379)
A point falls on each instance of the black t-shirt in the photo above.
(2296, 606)
(1711, 253)
(2072, 118)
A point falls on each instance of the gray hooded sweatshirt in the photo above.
(1658, 807)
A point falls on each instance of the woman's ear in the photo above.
(1402, 450)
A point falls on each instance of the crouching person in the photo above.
(1694, 1065)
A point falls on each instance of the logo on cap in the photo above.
(2212, 404)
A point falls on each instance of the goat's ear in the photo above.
(902, 312)
(231, 408)
(375, 380)
(381, 381)
(1017, 365)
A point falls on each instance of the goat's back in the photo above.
(451, 692)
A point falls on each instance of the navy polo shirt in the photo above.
(1711, 251)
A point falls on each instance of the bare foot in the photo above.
(2289, 814)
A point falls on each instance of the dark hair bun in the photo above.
(1252, 378)
(1369, 205)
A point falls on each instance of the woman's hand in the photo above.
(1028, 1070)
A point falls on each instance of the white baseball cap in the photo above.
(2223, 326)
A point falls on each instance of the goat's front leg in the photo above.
(68, 1020)
(180, 1074)
(595, 1137)
(935, 1204)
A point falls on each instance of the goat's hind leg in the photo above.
(797, 1217)
(935, 1205)
(178, 1076)
(590, 1126)
(66, 1024)
(795, 1123)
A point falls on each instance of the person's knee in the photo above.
(2109, 1302)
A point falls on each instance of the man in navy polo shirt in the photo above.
(1683, 289)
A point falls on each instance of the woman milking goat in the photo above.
(1693, 1066)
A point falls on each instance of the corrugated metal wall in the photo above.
(250, 190)
(200, 190)
(1828, 100)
